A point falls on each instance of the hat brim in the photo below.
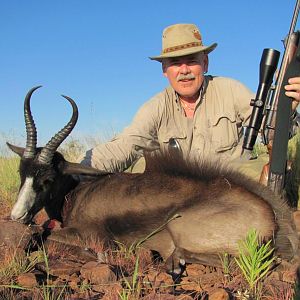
(184, 52)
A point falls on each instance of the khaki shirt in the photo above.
(215, 131)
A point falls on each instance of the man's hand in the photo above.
(293, 91)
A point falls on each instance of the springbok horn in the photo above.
(46, 155)
(30, 127)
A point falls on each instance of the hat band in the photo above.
(180, 47)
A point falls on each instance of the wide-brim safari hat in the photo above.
(181, 40)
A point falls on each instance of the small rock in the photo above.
(160, 280)
(84, 295)
(65, 277)
(296, 216)
(63, 268)
(27, 280)
(110, 292)
(41, 217)
(209, 281)
(17, 235)
(194, 270)
(74, 285)
(71, 252)
(59, 282)
(289, 276)
(219, 294)
(74, 282)
(53, 225)
(187, 284)
(97, 273)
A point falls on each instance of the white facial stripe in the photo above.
(25, 200)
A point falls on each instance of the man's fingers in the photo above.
(293, 90)
(294, 80)
(293, 87)
(294, 95)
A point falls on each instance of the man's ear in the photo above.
(164, 68)
(205, 63)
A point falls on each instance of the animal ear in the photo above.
(16, 149)
(78, 169)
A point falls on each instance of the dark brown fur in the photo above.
(127, 207)
(216, 208)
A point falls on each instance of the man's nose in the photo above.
(184, 69)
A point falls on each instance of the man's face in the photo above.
(185, 74)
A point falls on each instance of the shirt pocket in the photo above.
(224, 131)
(165, 135)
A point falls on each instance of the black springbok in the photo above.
(216, 207)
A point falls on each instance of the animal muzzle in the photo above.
(25, 203)
(23, 218)
(21, 214)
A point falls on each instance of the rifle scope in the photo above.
(268, 65)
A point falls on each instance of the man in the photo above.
(200, 115)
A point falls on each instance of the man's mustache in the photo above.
(185, 77)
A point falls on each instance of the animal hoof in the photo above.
(182, 262)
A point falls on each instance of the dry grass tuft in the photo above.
(9, 180)
(294, 156)
(15, 262)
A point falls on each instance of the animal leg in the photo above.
(175, 264)
(161, 242)
(70, 239)
(77, 252)
(67, 235)
(287, 240)
(202, 258)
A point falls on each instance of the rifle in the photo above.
(272, 105)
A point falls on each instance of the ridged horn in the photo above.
(46, 155)
(31, 138)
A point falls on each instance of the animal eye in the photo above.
(47, 182)
(45, 185)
